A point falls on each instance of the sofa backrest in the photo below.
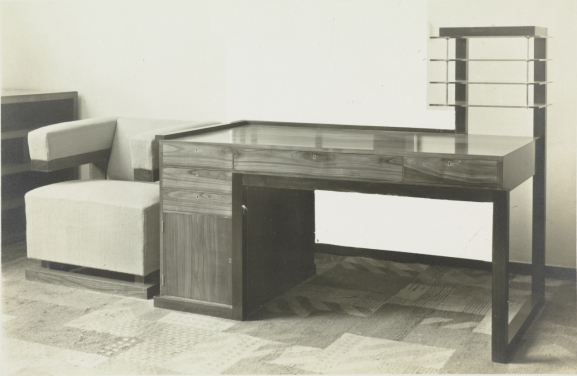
(121, 163)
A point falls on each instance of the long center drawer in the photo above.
(324, 164)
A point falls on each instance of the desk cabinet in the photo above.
(196, 183)
(22, 112)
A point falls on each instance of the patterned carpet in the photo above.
(356, 315)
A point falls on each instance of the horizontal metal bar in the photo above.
(494, 36)
(488, 105)
(524, 316)
(492, 83)
(491, 60)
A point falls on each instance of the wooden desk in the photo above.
(238, 205)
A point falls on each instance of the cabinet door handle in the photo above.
(244, 210)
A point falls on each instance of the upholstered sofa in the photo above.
(109, 225)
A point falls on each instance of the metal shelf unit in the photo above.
(506, 337)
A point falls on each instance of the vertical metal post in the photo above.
(447, 72)
(500, 313)
(527, 81)
(461, 90)
(539, 179)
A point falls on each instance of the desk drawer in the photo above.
(208, 180)
(325, 165)
(196, 201)
(187, 154)
(452, 171)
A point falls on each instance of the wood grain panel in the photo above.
(215, 181)
(190, 305)
(202, 202)
(452, 171)
(93, 283)
(315, 164)
(187, 154)
(197, 257)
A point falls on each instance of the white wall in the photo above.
(163, 59)
(330, 61)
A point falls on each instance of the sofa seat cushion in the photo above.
(102, 224)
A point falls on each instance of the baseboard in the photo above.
(554, 272)
(93, 283)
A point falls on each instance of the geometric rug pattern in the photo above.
(355, 316)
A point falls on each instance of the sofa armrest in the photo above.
(70, 144)
(144, 149)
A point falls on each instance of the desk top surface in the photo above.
(378, 141)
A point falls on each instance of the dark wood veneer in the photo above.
(202, 202)
(452, 171)
(208, 156)
(331, 165)
(216, 181)
(197, 251)
(93, 283)
(73, 161)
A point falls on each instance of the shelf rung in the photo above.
(492, 83)
(525, 60)
(494, 36)
(488, 105)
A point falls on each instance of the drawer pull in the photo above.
(314, 156)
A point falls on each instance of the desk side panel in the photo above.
(518, 166)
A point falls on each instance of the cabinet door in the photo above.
(197, 253)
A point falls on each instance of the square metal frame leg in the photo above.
(506, 336)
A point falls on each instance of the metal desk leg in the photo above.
(506, 337)
(500, 328)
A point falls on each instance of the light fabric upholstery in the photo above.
(144, 147)
(120, 165)
(103, 224)
(71, 138)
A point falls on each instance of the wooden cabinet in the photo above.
(196, 256)
(23, 111)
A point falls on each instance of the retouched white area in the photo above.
(404, 224)
(131, 58)
(329, 61)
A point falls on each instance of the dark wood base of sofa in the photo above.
(194, 306)
(83, 278)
